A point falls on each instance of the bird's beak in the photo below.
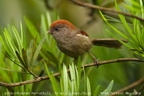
(49, 32)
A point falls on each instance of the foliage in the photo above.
(25, 59)
(28, 52)
(75, 83)
(133, 28)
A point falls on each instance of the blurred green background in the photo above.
(123, 74)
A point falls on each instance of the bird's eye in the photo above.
(56, 29)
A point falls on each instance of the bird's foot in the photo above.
(96, 62)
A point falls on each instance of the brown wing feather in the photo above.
(83, 33)
(111, 43)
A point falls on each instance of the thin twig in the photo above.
(104, 9)
(27, 82)
(113, 61)
(128, 87)
(58, 74)
(30, 72)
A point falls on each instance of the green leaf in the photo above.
(96, 91)
(21, 60)
(37, 51)
(32, 29)
(88, 88)
(24, 55)
(65, 79)
(53, 80)
(107, 91)
(138, 56)
(73, 78)
(9, 41)
(119, 39)
(116, 30)
(17, 38)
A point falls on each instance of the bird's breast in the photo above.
(74, 46)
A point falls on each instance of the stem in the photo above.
(38, 79)
(104, 9)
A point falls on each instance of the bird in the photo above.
(74, 42)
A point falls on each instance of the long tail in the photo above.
(108, 42)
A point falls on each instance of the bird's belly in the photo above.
(75, 48)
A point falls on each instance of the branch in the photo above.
(104, 9)
(113, 61)
(128, 87)
(58, 74)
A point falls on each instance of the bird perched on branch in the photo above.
(74, 42)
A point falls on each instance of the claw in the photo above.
(95, 60)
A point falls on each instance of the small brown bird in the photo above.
(74, 42)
